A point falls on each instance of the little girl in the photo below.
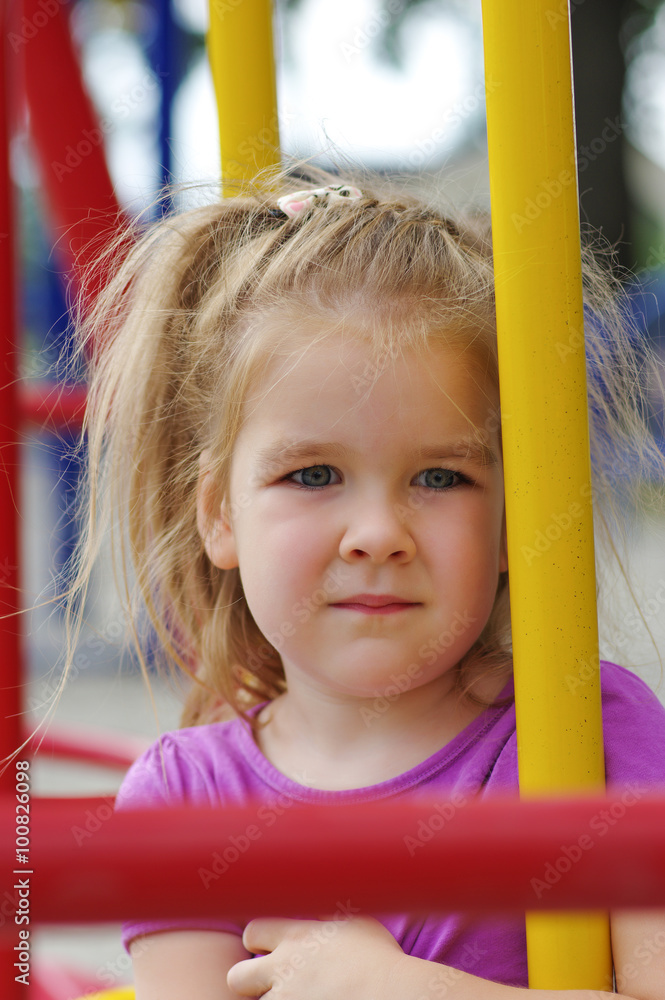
(295, 412)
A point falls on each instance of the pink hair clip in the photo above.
(299, 201)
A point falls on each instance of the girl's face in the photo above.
(366, 516)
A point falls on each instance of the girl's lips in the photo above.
(381, 609)
(375, 604)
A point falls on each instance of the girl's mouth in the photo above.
(375, 604)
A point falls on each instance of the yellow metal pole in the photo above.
(535, 218)
(240, 48)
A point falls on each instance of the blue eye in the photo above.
(440, 479)
(313, 477)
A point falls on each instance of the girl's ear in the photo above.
(213, 522)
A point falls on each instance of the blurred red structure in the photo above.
(497, 855)
(40, 73)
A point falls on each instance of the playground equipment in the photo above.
(531, 148)
(243, 75)
(538, 278)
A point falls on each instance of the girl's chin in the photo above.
(387, 685)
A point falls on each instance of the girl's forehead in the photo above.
(343, 378)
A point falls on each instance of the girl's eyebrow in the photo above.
(282, 453)
(474, 450)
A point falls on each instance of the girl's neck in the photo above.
(331, 742)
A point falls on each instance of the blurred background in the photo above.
(397, 85)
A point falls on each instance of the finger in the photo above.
(265, 934)
(250, 978)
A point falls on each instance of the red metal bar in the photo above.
(10, 726)
(91, 864)
(116, 750)
(69, 140)
(10, 649)
(53, 406)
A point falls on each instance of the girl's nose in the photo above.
(378, 531)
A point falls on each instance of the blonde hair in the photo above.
(177, 339)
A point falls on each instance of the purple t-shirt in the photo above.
(220, 764)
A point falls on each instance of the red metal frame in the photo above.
(10, 640)
(114, 750)
(55, 406)
(93, 864)
(10, 649)
(37, 45)
(69, 142)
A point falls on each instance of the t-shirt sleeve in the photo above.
(634, 732)
(634, 738)
(167, 774)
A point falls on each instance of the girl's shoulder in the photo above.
(616, 677)
(620, 686)
(633, 728)
(205, 764)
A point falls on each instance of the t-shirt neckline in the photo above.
(435, 764)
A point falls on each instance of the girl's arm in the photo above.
(336, 960)
(180, 965)
(638, 945)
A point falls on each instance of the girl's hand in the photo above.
(351, 959)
